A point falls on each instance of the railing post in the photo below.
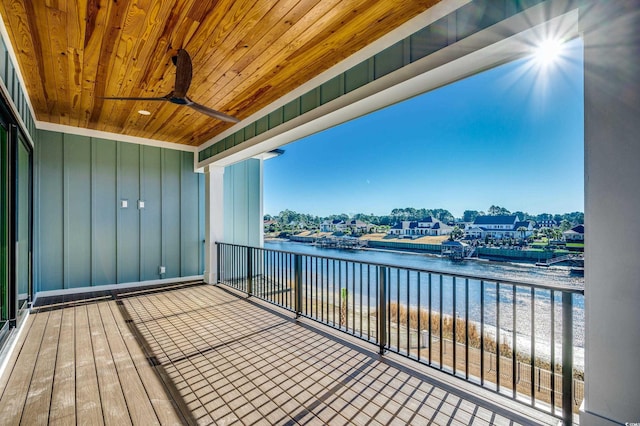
(382, 308)
(249, 271)
(297, 262)
(218, 248)
(567, 358)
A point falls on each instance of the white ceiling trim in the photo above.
(81, 131)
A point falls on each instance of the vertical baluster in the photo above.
(420, 337)
(429, 317)
(382, 308)
(553, 351)
(567, 358)
(498, 336)
(361, 291)
(455, 320)
(353, 298)
(514, 344)
(482, 332)
(249, 271)
(466, 328)
(532, 346)
(408, 314)
(298, 283)
(398, 309)
(441, 322)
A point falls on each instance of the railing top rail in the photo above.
(562, 288)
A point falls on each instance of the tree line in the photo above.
(287, 217)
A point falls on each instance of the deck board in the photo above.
(88, 407)
(198, 354)
(15, 393)
(163, 406)
(63, 397)
(114, 407)
(36, 409)
(138, 402)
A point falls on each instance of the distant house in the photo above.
(268, 223)
(358, 226)
(429, 226)
(546, 224)
(333, 225)
(574, 234)
(499, 227)
(298, 225)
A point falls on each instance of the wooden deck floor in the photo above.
(200, 354)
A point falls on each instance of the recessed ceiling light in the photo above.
(144, 112)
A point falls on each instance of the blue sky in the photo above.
(511, 136)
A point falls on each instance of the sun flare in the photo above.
(548, 52)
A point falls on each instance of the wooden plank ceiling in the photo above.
(246, 54)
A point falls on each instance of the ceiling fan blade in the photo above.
(184, 72)
(212, 112)
(134, 99)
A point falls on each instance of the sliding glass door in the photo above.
(16, 219)
(4, 234)
(23, 226)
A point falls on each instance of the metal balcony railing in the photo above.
(511, 337)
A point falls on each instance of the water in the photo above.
(524, 272)
(418, 285)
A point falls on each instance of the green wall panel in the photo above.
(190, 252)
(242, 203)
(276, 118)
(201, 222)
(151, 214)
(50, 212)
(332, 89)
(104, 211)
(310, 100)
(129, 219)
(171, 175)
(389, 60)
(85, 238)
(357, 76)
(292, 110)
(77, 211)
(429, 39)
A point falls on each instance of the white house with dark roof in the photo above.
(358, 226)
(574, 234)
(333, 225)
(501, 226)
(547, 223)
(429, 226)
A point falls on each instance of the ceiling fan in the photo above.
(182, 61)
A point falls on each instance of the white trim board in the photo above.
(108, 287)
(81, 131)
(10, 346)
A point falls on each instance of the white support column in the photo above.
(261, 195)
(214, 220)
(612, 207)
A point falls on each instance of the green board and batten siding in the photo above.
(465, 21)
(85, 238)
